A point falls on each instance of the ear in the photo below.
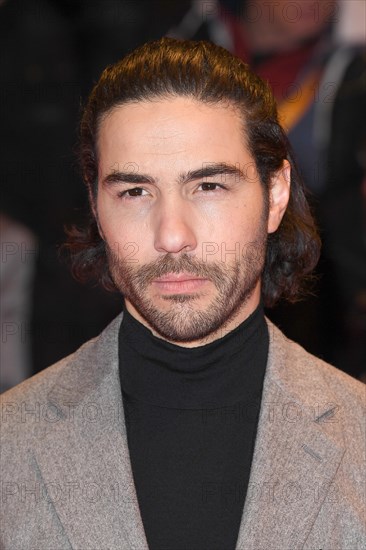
(279, 194)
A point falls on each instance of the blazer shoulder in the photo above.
(73, 370)
(308, 374)
(38, 385)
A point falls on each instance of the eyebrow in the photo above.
(126, 177)
(207, 171)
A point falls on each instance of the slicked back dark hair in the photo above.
(210, 74)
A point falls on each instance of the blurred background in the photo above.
(312, 52)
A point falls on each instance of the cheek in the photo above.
(109, 216)
(239, 229)
(126, 240)
(110, 224)
(243, 221)
(126, 248)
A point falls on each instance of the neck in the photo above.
(221, 373)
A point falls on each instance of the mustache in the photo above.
(145, 274)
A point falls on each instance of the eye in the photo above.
(132, 193)
(211, 186)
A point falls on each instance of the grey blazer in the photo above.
(66, 475)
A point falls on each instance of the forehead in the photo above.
(180, 129)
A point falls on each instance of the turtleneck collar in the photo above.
(214, 375)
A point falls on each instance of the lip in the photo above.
(178, 278)
(180, 283)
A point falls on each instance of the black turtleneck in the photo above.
(191, 417)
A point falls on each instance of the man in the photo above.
(191, 422)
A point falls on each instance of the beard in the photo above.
(184, 320)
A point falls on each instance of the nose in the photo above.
(174, 226)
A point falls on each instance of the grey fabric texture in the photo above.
(66, 474)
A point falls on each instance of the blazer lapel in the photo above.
(297, 453)
(84, 461)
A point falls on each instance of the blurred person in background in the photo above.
(17, 266)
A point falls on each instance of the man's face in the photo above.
(184, 216)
